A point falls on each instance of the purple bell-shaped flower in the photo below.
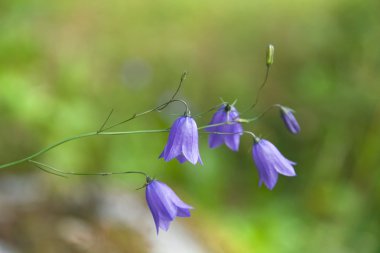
(270, 162)
(164, 204)
(229, 133)
(183, 141)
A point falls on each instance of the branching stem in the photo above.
(158, 108)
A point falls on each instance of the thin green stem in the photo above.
(261, 114)
(105, 122)
(187, 112)
(218, 124)
(259, 90)
(209, 110)
(157, 108)
(38, 164)
(183, 77)
(135, 132)
(222, 133)
(44, 150)
(255, 138)
(261, 87)
(81, 136)
(48, 171)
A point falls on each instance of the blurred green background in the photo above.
(65, 64)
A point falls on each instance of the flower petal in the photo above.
(218, 117)
(283, 167)
(183, 212)
(200, 160)
(153, 210)
(181, 158)
(215, 140)
(277, 161)
(164, 224)
(232, 141)
(174, 145)
(190, 140)
(269, 179)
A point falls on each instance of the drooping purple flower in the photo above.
(164, 204)
(289, 120)
(229, 133)
(270, 162)
(183, 141)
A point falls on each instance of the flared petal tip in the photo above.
(267, 185)
(200, 160)
(233, 142)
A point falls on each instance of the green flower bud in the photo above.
(270, 53)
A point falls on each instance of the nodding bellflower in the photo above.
(183, 141)
(164, 204)
(289, 120)
(270, 162)
(230, 132)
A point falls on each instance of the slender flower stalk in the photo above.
(233, 130)
(269, 63)
(270, 162)
(164, 204)
(183, 141)
(289, 120)
(81, 136)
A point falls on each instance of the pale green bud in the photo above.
(270, 53)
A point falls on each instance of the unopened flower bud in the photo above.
(290, 120)
(270, 53)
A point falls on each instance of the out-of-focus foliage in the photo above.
(65, 64)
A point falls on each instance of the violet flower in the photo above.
(289, 120)
(164, 204)
(183, 142)
(270, 162)
(229, 133)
